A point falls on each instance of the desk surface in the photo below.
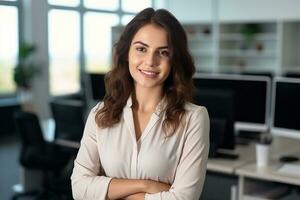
(246, 154)
(280, 146)
(269, 173)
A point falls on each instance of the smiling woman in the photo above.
(148, 59)
(145, 140)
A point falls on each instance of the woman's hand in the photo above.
(149, 187)
(155, 186)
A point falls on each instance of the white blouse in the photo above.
(179, 160)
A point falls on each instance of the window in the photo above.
(9, 45)
(63, 51)
(97, 40)
(80, 38)
(135, 6)
(112, 5)
(72, 3)
(126, 19)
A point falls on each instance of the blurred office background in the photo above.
(245, 52)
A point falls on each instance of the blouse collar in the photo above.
(159, 108)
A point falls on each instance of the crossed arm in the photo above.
(131, 189)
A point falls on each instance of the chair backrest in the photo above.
(29, 129)
(7, 110)
(69, 118)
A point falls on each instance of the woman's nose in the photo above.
(151, 60)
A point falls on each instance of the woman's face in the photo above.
(149, 57)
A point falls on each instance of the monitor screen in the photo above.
(251, 97)
(286, 107)
(97, 86)
(219, 104)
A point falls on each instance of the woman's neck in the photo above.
(146, 100)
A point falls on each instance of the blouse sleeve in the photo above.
(191, 170)
(88, 181)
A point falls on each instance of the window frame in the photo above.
(18, 5)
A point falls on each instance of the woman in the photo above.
(145, 140)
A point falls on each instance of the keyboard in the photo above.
(290, 169)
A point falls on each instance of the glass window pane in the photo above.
(126, 19)
(135, 6)
(98, 41)
(64, 38)
(9, 45)
(72, 3)
(102, 4)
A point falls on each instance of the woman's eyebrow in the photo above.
(144, 44)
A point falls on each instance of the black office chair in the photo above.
(37, 154)
(69, 117)
(7, 118)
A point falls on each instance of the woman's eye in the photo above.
(141, 49)
(165, 53)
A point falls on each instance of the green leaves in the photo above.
(249, 31)
(25, 70)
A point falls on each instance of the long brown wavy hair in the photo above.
(177, 87)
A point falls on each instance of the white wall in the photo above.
(192, 10)
(234, 10)
(258, 10)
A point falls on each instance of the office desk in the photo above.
(269, 173)
(251, 176)
(281, 146)
(246, 154)
(267, 181)
(221, 174)
(248, 175)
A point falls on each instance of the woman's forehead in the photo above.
(151, 35)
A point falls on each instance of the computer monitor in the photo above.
(219, 104)
(286, 107)
(97, 86)
(251, 97)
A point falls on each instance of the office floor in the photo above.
(9, 171)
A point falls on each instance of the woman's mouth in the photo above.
(148, 74)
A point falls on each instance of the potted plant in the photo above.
(25, 69)
(248, 32)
